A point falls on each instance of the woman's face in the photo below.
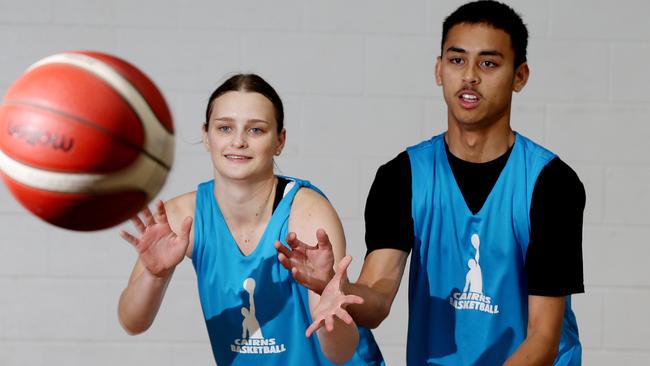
(242, 136)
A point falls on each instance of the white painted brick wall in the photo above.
(357, 80)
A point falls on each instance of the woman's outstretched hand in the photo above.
(160, 249)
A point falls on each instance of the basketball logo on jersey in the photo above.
(472, 297)
(252, 339)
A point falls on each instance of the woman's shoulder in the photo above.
(312, 211)
(308, 198)
(181, 206)
(311, 205)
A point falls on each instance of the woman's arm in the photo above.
(313, 219)
(162, 241)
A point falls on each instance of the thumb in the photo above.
(344, 263)
(342, 270)
(323, 239)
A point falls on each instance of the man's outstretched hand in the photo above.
(311, 266)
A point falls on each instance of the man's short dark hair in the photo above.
(495, 14)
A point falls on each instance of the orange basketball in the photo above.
(86, 140)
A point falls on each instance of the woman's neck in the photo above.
(245, 203)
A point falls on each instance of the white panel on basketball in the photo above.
(143, 174)
(157, 140)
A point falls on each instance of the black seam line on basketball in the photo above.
(102, 79)
(124, 76)
(93, 126)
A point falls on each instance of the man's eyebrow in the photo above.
(491, 53)
(482, 53)
(456, 49)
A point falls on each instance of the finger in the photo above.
(284, 261)
(287, 257)
(329, 323)
(344, 316)
(313, 327)
(299, 277)
(343, 264)
(161, 213)
(323, 239)
(138, 224)
(294, 242)
(342, 270)
(130, 238)
(282, 249)
(148, 217)
(352, 299)
(291, 261)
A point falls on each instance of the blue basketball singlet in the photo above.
(256, 314)
(468, 296)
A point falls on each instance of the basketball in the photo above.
(86, 140)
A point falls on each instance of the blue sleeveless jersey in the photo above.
(468, 296)
(256, 314)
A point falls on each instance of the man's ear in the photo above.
(521, 77)
(438, 71)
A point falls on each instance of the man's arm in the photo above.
(378, 283)
(556, 217)
(389, 236)
(544, 328)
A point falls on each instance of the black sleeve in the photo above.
(554, 256)
(389, 223)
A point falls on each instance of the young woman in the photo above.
(254, 310)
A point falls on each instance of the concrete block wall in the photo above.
(358, 85)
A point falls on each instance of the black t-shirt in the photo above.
(279, 191)
(553, 261)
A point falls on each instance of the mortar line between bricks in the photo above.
(75, 341)
(116, 278)
(618, 349)
(614, 288)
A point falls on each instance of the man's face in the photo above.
(477, 75)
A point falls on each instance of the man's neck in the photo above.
(480, 145)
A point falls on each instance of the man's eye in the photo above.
(456, 60)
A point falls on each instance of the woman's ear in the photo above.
(206, 141)
(282, 138)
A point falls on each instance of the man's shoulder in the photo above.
(557, 175)
(426, 144)
(535, 149)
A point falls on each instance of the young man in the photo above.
(493, 221)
